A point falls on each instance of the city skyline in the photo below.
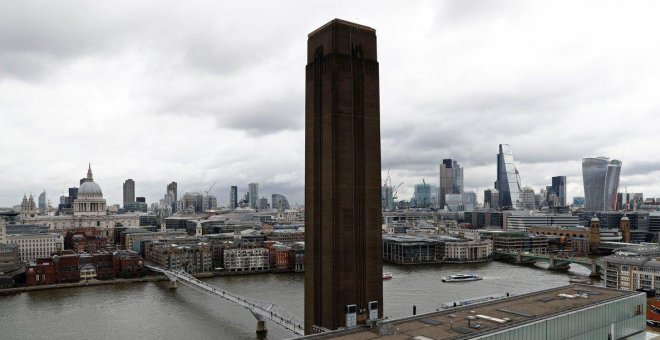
(138, 105)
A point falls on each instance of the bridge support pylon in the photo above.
(262, 330)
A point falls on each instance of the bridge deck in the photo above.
(261, 310)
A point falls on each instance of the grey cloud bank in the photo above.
(205, 91)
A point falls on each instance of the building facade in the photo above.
(34, 246)
(233, 197)
(451, 180)
(508, 179)
(601, 183)
(129, 191)
(468, 251)
(342, 159)
(559, 189)
(172, 188)
(43, 205)
(491, 199)
(253, 195)
(423, 195)
(89, 201)
(194, 258)
(246, 259)
(279, 202)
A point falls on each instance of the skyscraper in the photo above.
(387, 197)
(343, 265)
(233, 197)
(601, 183)
(527, 199)
(253, 190)
(172, 188)
(508, 179)
(280, 201)
(42, 201)
(423, 194)
(491, 199)
(451, 180)
(559, 189)
(129, 191)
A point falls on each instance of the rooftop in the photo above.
(494, 316)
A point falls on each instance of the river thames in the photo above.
(153, 311)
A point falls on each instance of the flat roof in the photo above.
(452, 323)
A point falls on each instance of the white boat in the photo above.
(580, 279)
(387, 276)
(461, 277)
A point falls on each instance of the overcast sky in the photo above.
(204, 91)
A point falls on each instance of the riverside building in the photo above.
(33, 246)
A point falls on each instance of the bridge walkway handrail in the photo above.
(259, 309)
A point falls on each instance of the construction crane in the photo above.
(212, 185)
(394, 196)
(388, 180)
(206, 193)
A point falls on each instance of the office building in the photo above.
(172, 188)
(522, 219)
(210, 202)
(559, 189)
(34, 246)
(263, 204)
(342, 177)
(192, 201)
(129, 191)
(451, 180)
(253, 195)
(601, 183)
(233, 197)
(387, 197)
(423, 195)
(491, 199)
(279, 202)
(527, 199)
(42, 202)
(508, 179)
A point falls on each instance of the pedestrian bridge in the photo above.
(555, 262)
(262, 311)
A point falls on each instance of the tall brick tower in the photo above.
(343, 264)
(624, 224)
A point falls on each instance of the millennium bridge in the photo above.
(261, 310)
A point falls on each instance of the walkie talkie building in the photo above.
(601, 182)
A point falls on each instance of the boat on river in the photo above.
(461, 278)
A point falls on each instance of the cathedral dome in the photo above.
(89, 188)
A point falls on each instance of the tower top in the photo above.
(89, 173)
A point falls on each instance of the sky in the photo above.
(204, 91)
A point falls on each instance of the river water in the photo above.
(153, 311)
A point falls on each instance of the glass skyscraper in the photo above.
(508, 179)
(601, 183)
(451, 180)
(559, 189)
